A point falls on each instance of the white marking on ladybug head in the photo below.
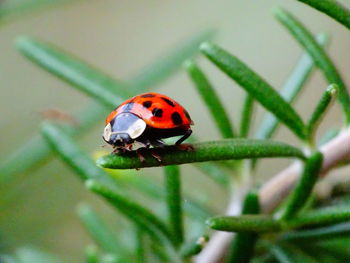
(136, 128)
(107, 132)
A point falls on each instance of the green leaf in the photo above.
(193, 248)
(192, 208)
(72, 155)
(242, 247)
(331, 8)
(256, 86)
(291, 89)
(91, 81)
(174, 202)
(322, 216)
(140, 215)
(91, 254)
(140, 246)
(303, 189)
(227, 149)
(211, 99)
(15, 9)
(244, 223)
(135, 212)
(35, 151)
(166, 65)
(325, 102)
(99, 231)
(305, 39)
(247, 115)
(322, 233)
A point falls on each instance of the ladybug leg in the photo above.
(156, 156)
(186, 146)
(141, 157)
(186, 135)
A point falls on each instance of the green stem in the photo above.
(174, 202)
(228, 149)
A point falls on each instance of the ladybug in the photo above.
(145, 120)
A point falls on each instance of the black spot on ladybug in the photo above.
(147, 95)
(187, 115)
(128, 107)
(157, 112)
(176, 118)
(147, 104)
(172, 104)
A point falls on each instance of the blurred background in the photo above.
(38, 207)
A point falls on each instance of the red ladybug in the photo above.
(145, 120)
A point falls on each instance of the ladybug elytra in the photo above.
(145, 120)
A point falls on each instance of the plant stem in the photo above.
(275, 190)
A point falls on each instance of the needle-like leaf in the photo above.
(193, 248)
(244, 223)
(333, 231)
(303, 189)
(10, 10)
(332, 8)
(227, 149)
(247, 114)
(242, 247)
(70, 152)
(99, 231)
(323, 216)
(211, 99)
(192, 208)
(140, 215)
(291, 89)
(326, 100)
(306, 39)
(256, 86)
(91, 81)
(174, 202)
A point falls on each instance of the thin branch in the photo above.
(275, 190)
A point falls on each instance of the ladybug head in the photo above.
(123, 129)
